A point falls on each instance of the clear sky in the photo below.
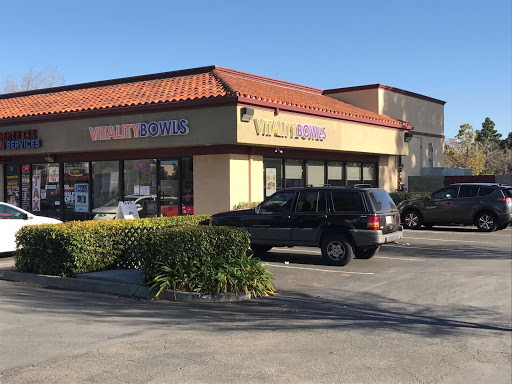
(456, 51)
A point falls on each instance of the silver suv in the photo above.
(486, 205)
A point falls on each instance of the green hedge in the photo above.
(203, 259)
(398, 197)
(86, 246)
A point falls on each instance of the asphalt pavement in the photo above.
(434, 308)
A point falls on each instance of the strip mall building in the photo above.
(205, 139)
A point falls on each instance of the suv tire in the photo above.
(337, 250)
(486, 222)
(367, 253)
(412, 219)
(261, 249)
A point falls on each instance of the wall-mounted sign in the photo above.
(53, 174)
(20, 139)
(139, 130)
(290, 130)
(36, 192)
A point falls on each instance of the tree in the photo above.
(488, 136)
(507, 143)
(463, 152)
(46, 78)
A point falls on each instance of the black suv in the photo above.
(342, 221)
(488, 206)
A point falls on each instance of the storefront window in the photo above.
(169, 189)
(140, 185)
(76, 190)
(370, 174)
(46, 190)
(353, 173)
(105, 176)
(335, 173)
(315, 173)
(187, 186)
(293, 170)
(273, 175)
(13, 181)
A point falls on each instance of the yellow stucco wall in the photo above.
(223, 181)
(388, 173)
(365, 98)
(340, 135)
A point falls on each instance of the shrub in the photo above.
(398, 197)
(203, 259)
(87, 246)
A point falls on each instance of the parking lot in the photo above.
(435, 307)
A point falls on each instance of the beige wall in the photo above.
(388, 173)
(341, 135)
(223, 181)
(365, 98)
(207, 126)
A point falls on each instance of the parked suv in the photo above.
(488, 206)
(343, 221)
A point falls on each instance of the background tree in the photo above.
(46, 78)
(507, 143)
(463, 152)
(488, 136)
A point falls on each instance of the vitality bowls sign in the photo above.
(139, 130)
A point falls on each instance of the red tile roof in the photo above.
(190, 85)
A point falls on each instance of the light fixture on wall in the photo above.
(247, 114)
(49, 158)
(407, 136)
(278, 150)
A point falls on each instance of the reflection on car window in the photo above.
(346, 201)
(483, 191)
(280, 202)
(307, 202)
(445, 193)
(468, 191)
(9, 213)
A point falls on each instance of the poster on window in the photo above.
(36, 192)
(53, 174)
(81, 197)
(270, 182)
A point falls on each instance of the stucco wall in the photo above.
(388, 173)
(340, 135)
(364, 98)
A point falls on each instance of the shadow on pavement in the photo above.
(290, 310)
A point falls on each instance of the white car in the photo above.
(12, 219)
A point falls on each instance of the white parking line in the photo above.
(481, 234)
(319, 269)
(398, 258)
(490, 251)
(459, 241)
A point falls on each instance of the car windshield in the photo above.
(381, 200)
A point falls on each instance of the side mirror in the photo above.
(24, 216)
(429, 197)
(257, 209)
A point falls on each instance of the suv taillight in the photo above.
(372, 223)
(505, 199)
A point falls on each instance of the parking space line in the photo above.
(398, 258)
(459, 241)
(319, 269)
(491, 251)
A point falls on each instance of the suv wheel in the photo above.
(412, 219)
(486, 222)
(336, 250)
(367, 253)
(260, 249)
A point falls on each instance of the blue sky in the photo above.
(456, 51)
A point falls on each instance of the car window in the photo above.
(381, 200)
(445, 193)
(347, 201)
(507, 192)
(279, 202)
(7, 212)
(468, 191)
(307, 201)
(485, 191)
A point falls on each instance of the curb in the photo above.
(120, 289)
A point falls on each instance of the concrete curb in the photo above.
(116, 288)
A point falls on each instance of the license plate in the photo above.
(390, 220)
